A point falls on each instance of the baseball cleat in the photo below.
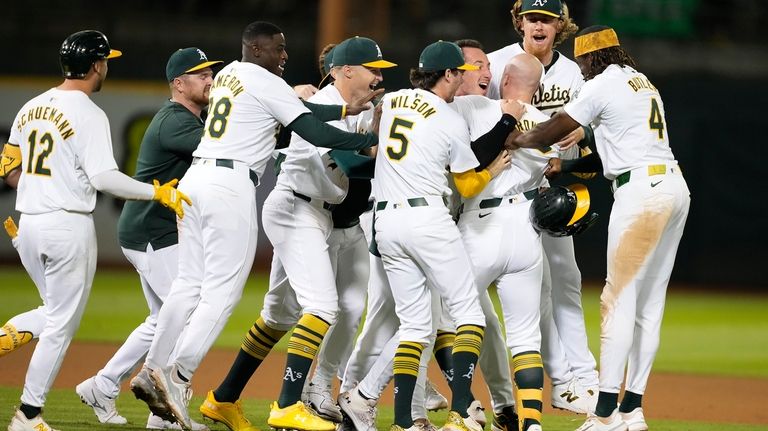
(143, 388)
(635, 420)
(422, 425)
(611, 423)
(477, 412)
(230, 414)
(158, 423)
(102, 405)
(360, 411)
(505, 420)
(413, 427)
(173, 393)
(19, 422)
(319, 399)
(11, 339)
(572, 396)
(297, 417)
(457, 423)
(433, 399)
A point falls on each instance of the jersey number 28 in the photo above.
(396, 135)
(217, 121)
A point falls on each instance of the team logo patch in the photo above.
(202, 55)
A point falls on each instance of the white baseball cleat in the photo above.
(534, 427)
(19, 422)
(102, 405)
(433, 399)
(174, 393)
(158, 423)
(477, 412)
(611, 423)
(360, 411)
(635, 420)
(319, 398)
(574, 397)
(423, 425)
(144, 389)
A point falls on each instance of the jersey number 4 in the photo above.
(217, 121)
(396, 135)
(35, 160)
(656, 120)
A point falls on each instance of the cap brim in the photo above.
(543, 12)
(466, 66)
(582, 202)
(380, 64)
(202, 66)
(113, 53)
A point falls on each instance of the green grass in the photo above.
(703, 333)
(64, 411)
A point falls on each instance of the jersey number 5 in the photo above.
(36, 162)
(217, 123)
(395, 135)
(656, 120)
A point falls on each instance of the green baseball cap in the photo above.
(187, 60)
(443, 55)
(328, 61)
(359, 51)
(546, 7)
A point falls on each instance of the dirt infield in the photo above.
(669, 396)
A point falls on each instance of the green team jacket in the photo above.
(165, 154)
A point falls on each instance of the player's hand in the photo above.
(10, 227)
(554, 168)
(376, 118)
(305, 91)
(501, 162)
(170, 197)
(513, 108)
(10, 159)
(571, 139)
(363, 103)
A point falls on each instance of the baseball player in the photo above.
(499, 237)
(148, 234)
(544, 24)
(416, 236)
(217, 241)
(60, 140)
(303, 289)
(651, 201)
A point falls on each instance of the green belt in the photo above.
(412, 202)
(230, 164)
(623, 178)
(326, 205)
(494, 202)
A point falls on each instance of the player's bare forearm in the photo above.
(544, 134)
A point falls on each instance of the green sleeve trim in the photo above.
(353, 164)
(324, 113)
(320, 134)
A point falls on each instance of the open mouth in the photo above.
(539, 38)
(483, 85)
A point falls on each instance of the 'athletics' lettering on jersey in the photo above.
(47, 113)
(641, 83)
(231, 82)
(556, 96)
(418, 105)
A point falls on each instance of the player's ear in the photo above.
(560, 25)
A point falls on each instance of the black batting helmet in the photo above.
(80, 50)
(562, 211)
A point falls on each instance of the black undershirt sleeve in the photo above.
(488, 146)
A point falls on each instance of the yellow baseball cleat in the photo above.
(297, 417)
(11, 339)
(456, 423)
(230, 414)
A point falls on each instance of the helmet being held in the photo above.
(562, 211)
(80, 50)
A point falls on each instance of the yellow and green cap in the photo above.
(443, 55)
(545, 7)
(359, 51)
(187, 60)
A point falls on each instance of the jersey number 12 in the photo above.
(36, 162)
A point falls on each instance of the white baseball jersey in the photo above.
(631, 131)
(419, 136)
(64, 140)
(527, 169)
(561, 79)
(310, 170)
(247, 103)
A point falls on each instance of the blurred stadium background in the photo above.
(707, 57)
